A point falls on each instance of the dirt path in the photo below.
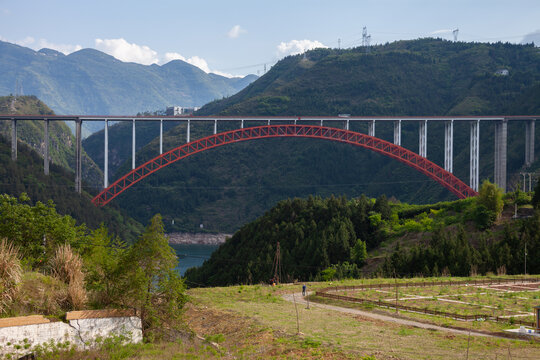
(300, 300)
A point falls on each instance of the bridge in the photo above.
(329, 128)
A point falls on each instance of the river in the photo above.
(190, 255)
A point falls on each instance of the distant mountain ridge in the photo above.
(91, 82)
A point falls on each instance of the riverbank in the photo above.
(197, 238)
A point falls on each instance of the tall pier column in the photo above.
(501, 134)
(187, 133)
(78, 156)
(321, 122)
(347, 125)
(397, 132)
(529, 142)
(242, 124)
(422, 138)
(106, 155)
(13, 139)
(268, 121)
(475, 153)
(449, 146)
(46, 149)
(133, 145)
(371, 128)
(160, 136)
(215, 126)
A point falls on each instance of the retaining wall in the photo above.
(18, 336)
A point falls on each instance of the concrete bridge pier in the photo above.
(242, 124)
(371, 128)
(133, 145)
(397, 132)
(160, 136)
(347, 125)
(475, 153)
(106, 155)
(449, 146)
(529, 142)
(13, 139)
(187, 131)
(215, 126)
(78, 156)
(422, 135)
(501, 134)
(46, 149)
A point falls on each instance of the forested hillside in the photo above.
(327, 239)
(61, 140)
(227, 187)
(418, 77)
(26, 176)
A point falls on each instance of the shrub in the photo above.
(10, 273)
(67, 267)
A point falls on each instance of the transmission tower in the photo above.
(366, 39)
(455, 33)
(277, 266)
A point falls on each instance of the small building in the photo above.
(502, 72)
(179, 110)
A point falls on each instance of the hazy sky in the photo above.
(238, 37)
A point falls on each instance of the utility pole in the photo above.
(277, 265)
(525, 258)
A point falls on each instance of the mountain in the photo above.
(61, 140)
(226, 187)
(418, 77)
(91, 82)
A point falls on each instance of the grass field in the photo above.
(356, 335)
(255, 322)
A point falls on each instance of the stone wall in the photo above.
(18, 336)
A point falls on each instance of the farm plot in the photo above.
(493, 300)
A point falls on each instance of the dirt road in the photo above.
(300, 300)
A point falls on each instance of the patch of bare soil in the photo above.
(237, 336)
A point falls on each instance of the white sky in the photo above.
(238, 37)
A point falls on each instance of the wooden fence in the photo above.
(325, 293)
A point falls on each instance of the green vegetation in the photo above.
(68, 267)
(227, 187)
(321, 239)
(415, 77)
(61, 140)
(26, 176)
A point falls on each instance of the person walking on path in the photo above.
(304, 290)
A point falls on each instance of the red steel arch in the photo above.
(432, 170)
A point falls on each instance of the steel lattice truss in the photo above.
(432, 170)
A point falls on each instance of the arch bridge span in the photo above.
(417, 162)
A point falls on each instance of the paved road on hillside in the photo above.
(368, 314)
